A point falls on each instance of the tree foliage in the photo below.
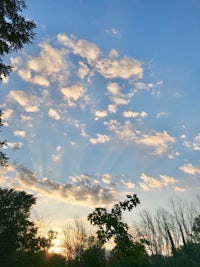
(110, 224)
(18, 234)
(15, 31)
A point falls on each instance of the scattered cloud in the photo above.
(149, 183)
(160, 141)
(190, 169)
(54, 114)
(179, 189)
(57, 156)
(101, 138)
(72, 94)
(28, 101)
(100, 114)
(14, 146)
(20, 133)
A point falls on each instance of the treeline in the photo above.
(168, 238)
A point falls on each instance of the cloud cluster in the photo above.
(81, 189)
(149, 183)
(159, 141)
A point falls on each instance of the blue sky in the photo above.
(105, 102)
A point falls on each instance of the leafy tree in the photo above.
(18, 235)
(110, 224)
(15, 31)
(3, 157)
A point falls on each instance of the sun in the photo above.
(55, 248)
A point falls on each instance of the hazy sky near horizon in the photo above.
(105, 102)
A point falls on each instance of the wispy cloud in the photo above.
(149, 182)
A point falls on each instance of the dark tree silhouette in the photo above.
(15, 31)
(110, 224)
(18, 235)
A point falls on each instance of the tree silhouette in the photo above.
(110, 224)
(18, 235)
(15, 31)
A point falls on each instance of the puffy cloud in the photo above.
(14, 146)
(151, 182)
(129, 184)
(112, 108)
(114, 88)
(54, 114)
(100, 114)
(159, 140)
(48, 66)
(72, 94)
(114, 91)
(101, 138)
(190, 169)
(29, 102)
(133, 114)
(20, 133)
(81, 47)
(7, 114)
(83, 70)
(130, 114)
(124, 68)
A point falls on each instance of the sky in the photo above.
(104, 103)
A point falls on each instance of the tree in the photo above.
(18, 235)
(3, 157)
(15, 31)
(110, 224)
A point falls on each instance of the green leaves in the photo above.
(110, 224)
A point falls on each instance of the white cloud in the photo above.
(49, 66)
(100, 114)
(7, 114)
(124, 68)
(190, 169)
(106, 178)
(20, 133)
(130, 114)
(54, 114)
(29, 102)
(179, 189)
(57, 156)
(83, 70)
(129, 184)
(72, 94)
(161, 115)
(101, 138)
(112, 108)
(151, 182)
(114, 88)
(14, 146)
(81, 47)
(159, 140)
